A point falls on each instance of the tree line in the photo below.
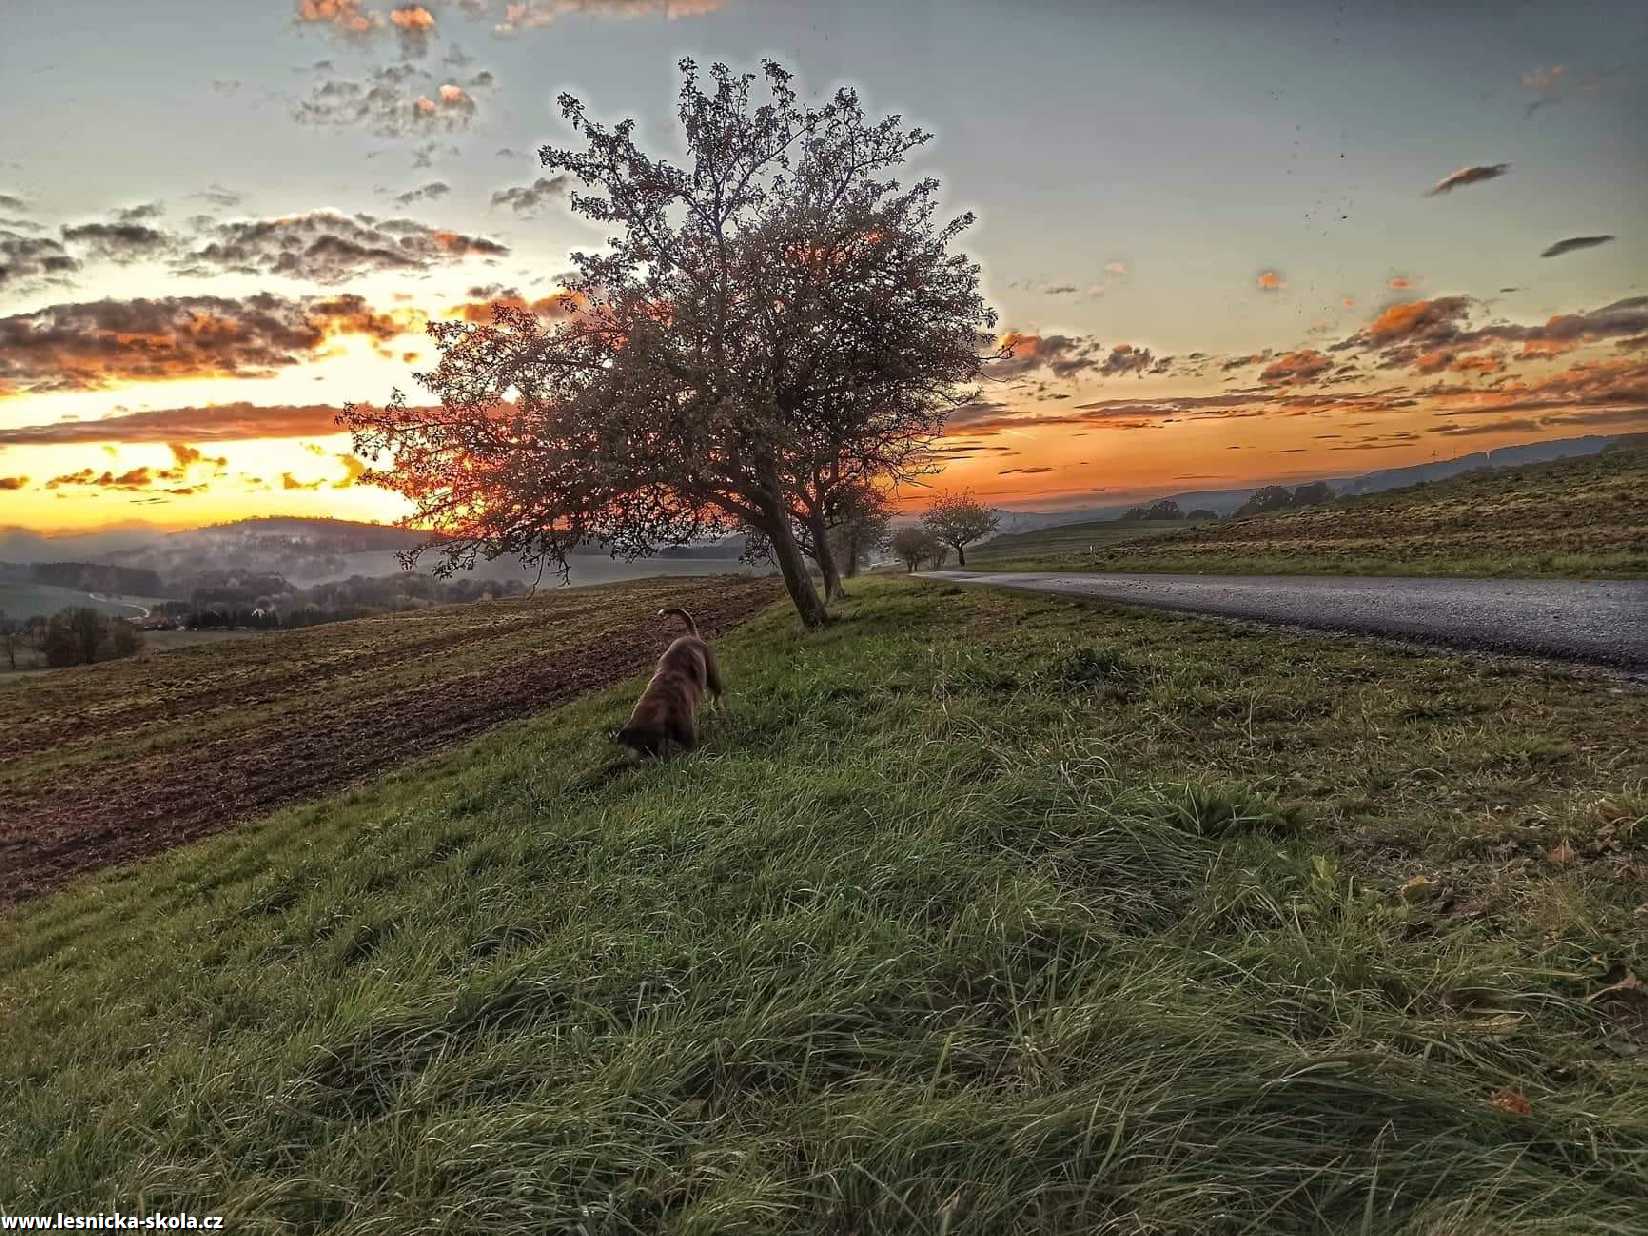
(76, 636)
(264, 602)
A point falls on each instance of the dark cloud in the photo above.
(1063, 355)
(1242, 362)
(391, 102)
(10, 201)
(120, 242)
(527, 199)
(29, 261)
(1575, 242)
(13, 482)
(1468, 176)
(99, 344)
(425, 193)
(140, 212)
(220, 197)
(328, 247)
(1521, 424)
(1125, 358)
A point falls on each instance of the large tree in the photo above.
(771, 322)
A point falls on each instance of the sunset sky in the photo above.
(1233, 243)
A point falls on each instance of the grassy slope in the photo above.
(977, 913)
(1585, 516)
(1068, 539)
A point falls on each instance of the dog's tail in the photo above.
(692, 627)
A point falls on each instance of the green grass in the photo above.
(1574, 517)
(975, 913)
(1069, 539)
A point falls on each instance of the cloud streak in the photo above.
(1573, 243)
(1467, 176)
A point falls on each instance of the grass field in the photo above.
(117, 760)
(1574, 517)
(976, 913)
(1067, 540)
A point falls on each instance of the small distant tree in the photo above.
(1162, 508)
(1267, 500)
(11, 637)
(83, 636)
(1202, 514)
(913, 545)
(959, 519)
(1313, 494)
(124, 640)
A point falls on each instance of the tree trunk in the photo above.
(793, 564)
(961, 556)
(855, 551)
(824, 555)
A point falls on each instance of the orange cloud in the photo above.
(353, 470)
(13, 482)
(557, 305)
(345, 16)
(1549, 347)
(1414, 317)
(1478, 362)
(1295, 367)
(1270, 281)
(413, 17)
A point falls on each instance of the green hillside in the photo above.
(1571, 517)
(976, 913)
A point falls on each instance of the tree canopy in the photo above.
(771, 323)
(959, 519)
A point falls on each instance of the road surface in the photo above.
(1595, 622)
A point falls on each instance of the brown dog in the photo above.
(667, 710)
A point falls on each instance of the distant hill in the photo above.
(308, 551)
(1582, 515)
(1225, 501)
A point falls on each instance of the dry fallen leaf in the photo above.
(1562, 854)
(1418, 889)
(1512, 1102)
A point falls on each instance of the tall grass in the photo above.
(911, 945)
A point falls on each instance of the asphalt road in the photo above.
(1595, 622)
